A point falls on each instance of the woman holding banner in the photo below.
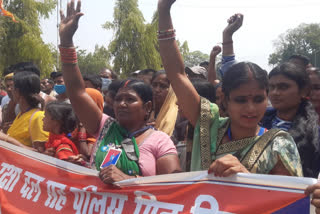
(143, 150)
(228, 145)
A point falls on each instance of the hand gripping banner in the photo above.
(34, 183)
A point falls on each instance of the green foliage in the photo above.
(135, 45)
(184, 49)
(195, 58)
(303, 40)
(92, 63)
(191, 58)
(22, 41)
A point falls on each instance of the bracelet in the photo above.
(166, 35)
(168, 31)
(227, 43)
(68, 55)
(167, 38)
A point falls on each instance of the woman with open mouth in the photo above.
(225, 146)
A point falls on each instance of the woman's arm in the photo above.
(168, 164)
(174, 66)
(84, 107)
(234, 23)
(279, 169)
(13, 141)
(228, 57)
(212, 74)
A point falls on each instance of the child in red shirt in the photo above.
(59, 119)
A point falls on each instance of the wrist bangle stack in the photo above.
(166, 34)
(68, 55)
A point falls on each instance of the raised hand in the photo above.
(226, 166)
(215, 51)
(234, 23)
(69, 23)
(165, 4)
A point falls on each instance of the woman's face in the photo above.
(160, 87)
(247, 104)
(315, 90)
(129, 108)
(284, 93)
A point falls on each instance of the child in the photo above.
(59, 120)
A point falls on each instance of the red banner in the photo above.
(34, 183)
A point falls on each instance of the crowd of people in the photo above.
(226, 119)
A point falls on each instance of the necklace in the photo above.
(139, 131)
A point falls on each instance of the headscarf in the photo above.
(96, 97)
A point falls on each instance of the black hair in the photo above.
(6, 71)
(305, 60)
(95, 80)
(114, 87)
(22, 66)
(114, 75)
(50, 81)
(55, 75)
(205, 63)
(158, 73)
(241, 73)
(293, 72)
(62, 112)
(204, 88)
(28, 84)
(140, 87)
(147, 71)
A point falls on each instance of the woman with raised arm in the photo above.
(144, 151)
(226, 146)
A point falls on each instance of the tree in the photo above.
(22, 41)
(195, 58)
(184, 49)
(303, 40)
(92, 63)
(134, 46)
(191, 58)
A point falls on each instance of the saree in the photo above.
(27, 128)
(113, 136)
(207, 145)
(166, 118)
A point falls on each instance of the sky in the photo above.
(201, 22)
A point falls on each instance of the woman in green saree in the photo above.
(226, 146)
